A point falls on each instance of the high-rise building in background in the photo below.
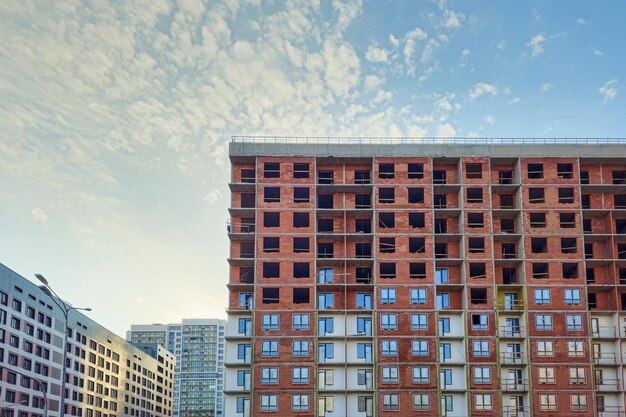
(198, 345)
(106, 375)
(426, 279)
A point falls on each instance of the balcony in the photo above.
(512, 358)
(512, 332)
(608, 384)
(605, 358)
(603, 332)
(610, 411)
(511, 411)
(514, 385)
(510, 305)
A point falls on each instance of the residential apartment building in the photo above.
(372, 278)
(198, 345)
(106, 376)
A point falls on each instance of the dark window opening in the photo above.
(621, 251)
(363, 250)
(417, 270)
(476, 244)
(619, 201)
(535, 171)
(271, 194)
(509, 275)
(362, 177)
(538, 220)
(584, 177)
(271, 170)
(620, 226)
(363, 201)
(301, 245)
(441, 250)
(417, 245)
(507, 201)
(271, 295)
(619, 177)
(246, 250)
(477, 270)
(325, 250)
(540, 270)
(592, 301)
(416, 195)
(301, 220)
(271, 270)
(536, 195)
(509, 251)
(386, 195)
(473, 170)
(565, 171)
(586, 226)
(623, 305)
(363, 225)
(569, 245)
(416, 171)
(474, 195)
(300, 295)
(363, 275)
(325, 225)
(440, 200)
(386, 220)
(417, 220)
(588, 250)
(248, 200)
(271, 219)
(507, 225)
(387, 244)
(567, 220)
(585, 201)
(271, 244)
(325, 201)
(325, 177)
(301, 195)
(622, 276)
(441, 226)
(248, 176)
(386, 171)
(475, 220)
(570, 270)
(301, 270)
(300, 170)
(539, 245)
(566, 195)
(478, 295)
(247, 225)
(590, 275)
(246, 275)
(387, 270)
(505, 177)
(439, 176)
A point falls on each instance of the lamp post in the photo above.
(8, 407)
(42, 388)
(65, 309)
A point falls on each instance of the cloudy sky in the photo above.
(115, 116)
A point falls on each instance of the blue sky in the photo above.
(115, 116)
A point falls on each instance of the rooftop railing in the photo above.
(425, 141)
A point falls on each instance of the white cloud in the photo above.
(410, 40)
(608, 90)
(583, 22)
(502, 44)
(213, 196)
(446, 130)
(347, 11)
(40, 215)
(545, 87)
(465, 53)
(453, 20)
(481, 89)
(536, 45)
(372, 82)
(598, 52)
(473, 134)
(376, 54)
(489, 119)
(395, 42)
(342, 67)
(515, 100)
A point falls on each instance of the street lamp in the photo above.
(42, 388)
(65, 309)
(8, 407)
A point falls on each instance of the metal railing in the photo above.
(345, 140)
(512, 331)
(603, 332)
(514, 385)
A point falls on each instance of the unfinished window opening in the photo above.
(440, 200)
(363, 250)
(565, 171)
(362, 177)
(441, 250)
(535, 171)
(623, 305)
(271, 244)
(416, 171)
(590, 275)
(271, 270)
(363, 201)
(619, 177)
(475, 220)
(567, 220)
(301, 296)
(505, 177)
(271, 170)
(271, 219)
(387, 270)
(301, 195)
(507, 225)
(509, 275)
(386, 195)
(538, 220)
(621, 251)
(246, 275)
(363, 225)
(386, 220)
(509, 250)
(540, 270)
(477, 270)
(387, 244)
(536, 195)
(507, 201)
(588, 250)
(620, 226)
(584, 177)
(325, 201)
(566, 195)
(585, 201)
(301, 270)
(325, 250)
(416, 195)
(439, 176)
(271, 295)
(271, 194)
(478, 295)
(592, 301)
(417, 270)
(570, 270)
(247, 225)
(474, 195)
(386, 171)
(325, 225)
(569, 245)
(246, 250)
(417, 245)
(473, 170)
(539, 245)
(476, 244)
(441, 226)
(300, 220)
(417, 220)
(622, 276)
(248, 176)
(301, 170)
(248, 200)
(301, 245)
(325, 177)
(587, 226)
(619, 201)
(363, 275)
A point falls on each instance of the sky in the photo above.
(115, 117)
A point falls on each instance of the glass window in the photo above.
(418, 296)
(542, 296)
(482, 375)
(388, 321)
(543, 321)
(419, 322)
(419, 347)
(421, 375)
(389, 347)
(572, 296)
(269, 403)
(388, 295)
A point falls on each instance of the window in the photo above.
(439, 201)
(417, 245)
(417, 220)
(575, 348)
(271, 170)
(325, 351)
(439, 176)
(547, 402)
(545, 348)
(362, 201)
(271, 295)
(507, 201)
(419, 347)
(270, 244)
(301, 296)
(445, 376)
(566, 195)
(391, 402)
(482, 375)
(480, 321)
(478, 295)
(325, 300)
(386, 195)
(574, 322)
(387, 244)
(480, 347)
(362, 177)
(271, 219)
(418, 296)
(300, 220)
(442, 301)
(577, 376)
(482, 402)
(300, 348)
(390, 375)
(364, 300)
(444, 326)
(325, 325)
(416, 171)
(325, 226)
(535, 171)
(325, 377)
(324, 275)
(565, 171)
(271, 194)
(578, 402)
(445, 352)
(269, 375)
(269, 403)
(270, 322)
(269, 348)
(325, 177)
(568, 245)
(546, 375)
(476, 244)
(542, 296)
(540, 270)
(567, 220)
(325, 405)
(539, 245)
(386, 171)
(300, 322)
(441, 276)
(299, 402)
(421, 402)
(301, 270)
(572, 296)
(388, 295)
(475, 220)
(477, 270)
(543, 321)
(389, 347)
(474, 195)
(301, 195)
(507, 225)
(416, 195)
(300, 375)
(473, 170)
(538, 220)
(386, 220)
(421, 375)
(301, 170)
(389, 321)
(536, 195)
(419, 322)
